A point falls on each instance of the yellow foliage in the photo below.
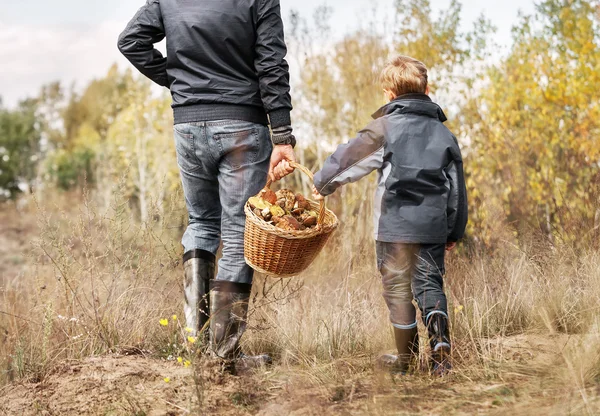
(535, 126)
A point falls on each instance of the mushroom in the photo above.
(269, 196)
(259, 203)
(277, 211)
(288, 223)
(290, 198)
(310, 221)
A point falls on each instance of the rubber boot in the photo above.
(407, 344)
(439, 339)
(199, 270)
(229, 308)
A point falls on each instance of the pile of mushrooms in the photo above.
(284, 209)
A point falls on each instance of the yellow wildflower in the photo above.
(166, 379)
(458, 308)
(191, 339)
(179, 359)
(188, 330)
(174, 317)
(164, 322)
(187, 363)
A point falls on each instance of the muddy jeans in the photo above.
(222, 164)
(412, 271)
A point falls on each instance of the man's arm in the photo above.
(353, 160)
(138, 39)
(273, 70)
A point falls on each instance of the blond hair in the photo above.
(404, 75)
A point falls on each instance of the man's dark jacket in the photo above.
(225, 58)
(421, 195)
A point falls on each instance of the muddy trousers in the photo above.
(415, 271)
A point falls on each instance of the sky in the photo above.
(74, 41)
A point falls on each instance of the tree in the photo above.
(77, 134)
(534, 128)
(139, 149)
(19, 146)
(440, 43)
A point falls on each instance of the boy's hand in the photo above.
(316, 195)
(280, 157)
(450, 246)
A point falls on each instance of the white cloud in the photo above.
(34, 55)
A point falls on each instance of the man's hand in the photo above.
(450, 246)
(316, 195)
(280, 158)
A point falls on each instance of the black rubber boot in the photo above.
(407, 344)
(199, 270)
(439, 339)
(229, 308)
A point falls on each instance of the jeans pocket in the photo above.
(184, 147)
(238, 148)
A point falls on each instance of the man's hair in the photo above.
(404, 75)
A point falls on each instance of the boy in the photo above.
(420, 205)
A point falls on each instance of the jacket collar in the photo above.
(412, 103)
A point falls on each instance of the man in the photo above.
(226, 70)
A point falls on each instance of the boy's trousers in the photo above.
(412, 271)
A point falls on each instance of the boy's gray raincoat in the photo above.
(421, 194)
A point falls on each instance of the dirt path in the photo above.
(135, 385)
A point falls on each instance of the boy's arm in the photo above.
(273, 70)
(138, 39)
(353, 160)
(457, 202)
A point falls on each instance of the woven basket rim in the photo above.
(271, 274)
(330, 223)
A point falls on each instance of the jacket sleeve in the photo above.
(457, 201)
(270, 63)
(138, 39)
(353, 160)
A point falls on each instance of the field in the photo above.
(82, 294)
(91, 214)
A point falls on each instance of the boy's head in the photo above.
(404, 75)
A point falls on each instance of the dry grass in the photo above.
(98, 283)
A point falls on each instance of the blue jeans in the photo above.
(222, 164)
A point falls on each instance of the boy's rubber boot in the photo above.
(199, 270)
(407, 344)
(439, 339)
(229, 308)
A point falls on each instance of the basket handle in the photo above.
(308, 173)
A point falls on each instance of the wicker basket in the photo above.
(282, 253)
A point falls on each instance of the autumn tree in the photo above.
(534, 128)
(84, 122)
(451, 53)
(139, 150)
